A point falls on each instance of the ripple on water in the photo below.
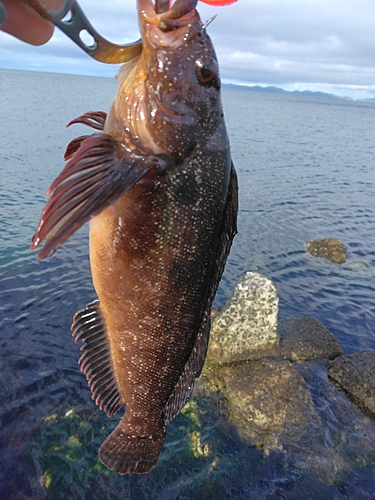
(306, 172)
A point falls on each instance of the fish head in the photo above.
(180, 74)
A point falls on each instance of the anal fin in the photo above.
(96, 361)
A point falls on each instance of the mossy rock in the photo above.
(328, 248)
(304, 339)
(267, 399)
(353, 374)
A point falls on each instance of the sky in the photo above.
(318, 45)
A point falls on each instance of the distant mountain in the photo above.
(278, 90)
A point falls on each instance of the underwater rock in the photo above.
(328, 248)
(353, 374)
(267, 400)
(304, 339)
(247, 325)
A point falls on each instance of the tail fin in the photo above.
(126, 454)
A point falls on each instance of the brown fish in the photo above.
(160, 189)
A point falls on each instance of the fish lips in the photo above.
(178, 10)
(170, 28)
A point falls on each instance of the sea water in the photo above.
(306, 171)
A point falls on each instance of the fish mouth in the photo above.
(167, 28)
(160, 10)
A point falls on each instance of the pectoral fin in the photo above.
(93, 119)
(99, 173)
(74, 146)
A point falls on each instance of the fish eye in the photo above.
(207, 71)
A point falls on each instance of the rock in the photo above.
(353, 374)
(247, 325)
(304, 339)
(266, 398)
(328, 248)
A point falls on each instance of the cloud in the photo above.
(290, 43)
(315, 42)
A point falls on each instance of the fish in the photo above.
(157, 184)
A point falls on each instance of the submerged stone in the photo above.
(353, 374)
(267, 400)
(328, 248)
(304, 339)
(247, 325)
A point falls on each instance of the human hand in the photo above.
(24, 23)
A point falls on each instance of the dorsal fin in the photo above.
(192, 370)
(194, 365)
(96, 361)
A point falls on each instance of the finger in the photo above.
(25, 24)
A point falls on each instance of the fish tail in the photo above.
(127, 454)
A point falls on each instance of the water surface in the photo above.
(306, 171)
